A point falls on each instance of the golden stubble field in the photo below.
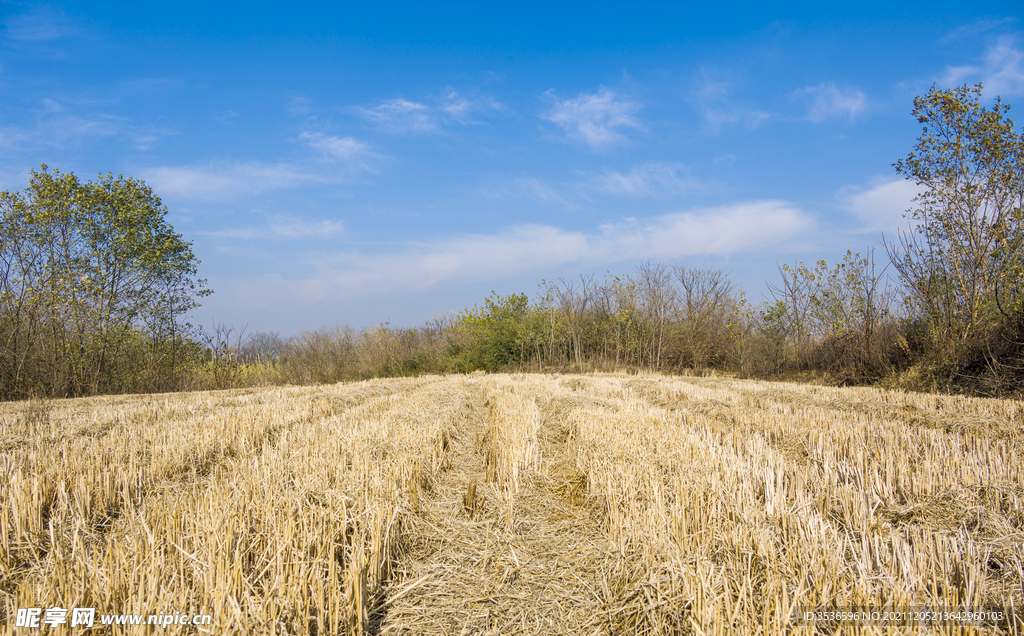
(513, 504)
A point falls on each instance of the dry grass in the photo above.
(513, 504)
(276, 511)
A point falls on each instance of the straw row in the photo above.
(502, 504)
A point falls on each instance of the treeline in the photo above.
(848, 323)
(95, 288)
(948, 314)
(841, 321)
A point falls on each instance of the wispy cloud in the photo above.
(58, 125)
(461, 107)
(64, 124)
(399, 116)
(456, 106)
(594, 119)
(1001, 70)
(12, 178)
(715, 99)
(229, 180)
(531, 188)
(39, 24)
(879, 205)
(403, 116)
(656, 180)
(650, 180)
(283, 227)
(826, 101)
(299, 106)
(975, 28)
(758, 226)
(16, 138)
(344, 148)
(337, 160)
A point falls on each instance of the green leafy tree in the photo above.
(962, 262)
(500, 333)
(94, 285)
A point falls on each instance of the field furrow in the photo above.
(505, 544)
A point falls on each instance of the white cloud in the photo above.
(745, 227)
(827, 100)
(284, 227)
(341, 160)
(227, 181)
(399, 116)
(293, 227)
(880, 205)
(458, 107)
(759, 226)
(344, 148)
(1004, 68)
(402, 116)
(1001, 70)
(542, 190)
(714, 100)
(58, 126)
(594, 119)
(532, 188)
(650, 180)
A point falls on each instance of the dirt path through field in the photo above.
(498, 563)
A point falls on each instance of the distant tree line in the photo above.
(944, 311)
(843, 321)
(94, 288)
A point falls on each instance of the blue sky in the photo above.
(358, 164)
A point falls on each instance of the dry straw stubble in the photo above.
(574, 504)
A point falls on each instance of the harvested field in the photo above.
(514, 504)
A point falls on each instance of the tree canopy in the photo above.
(94, 284)
(963, 260)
